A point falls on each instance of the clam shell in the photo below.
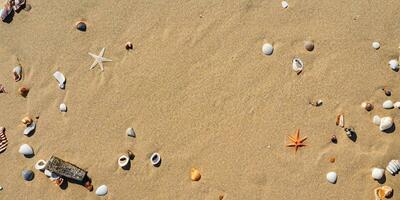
(27, 174)
(123, 160)
(383, 192)
(386, 123)
(376, 120)
(63, 107)
(40, 165)
(60, 78)
(25, 149)
(130, 132)
(30, 128)
(155, 159)
(397, 104)
(331, 177)
(17, 71)
(101, 190)
(394, 64)
(284, 4)
(267, 49)
(297, 65)
(388, 104)
(27, 120)
(376, 45)
(377, 173)
(195, 174)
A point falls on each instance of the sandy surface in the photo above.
(199, 91)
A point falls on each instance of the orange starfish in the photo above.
(296, 141)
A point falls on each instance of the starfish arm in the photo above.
(304, 139)
(292, 139)
(94, 56)
(93, 65)
(106, 59)
(102, 52)
(101, 66)
(290, 145)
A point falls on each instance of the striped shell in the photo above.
(3, 139)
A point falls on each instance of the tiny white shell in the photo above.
(397, 104)
(386, 123)
(17, 73)
(30, 128)
(47, 172)
(388, 104)
(63, 107)
(60, 78)
(101, 190)
(377, 173)
(376, 120)
(155, 159)
(331, 177)
(284, 4)
(267, 49)
(130, 132)
(297, 65)
(394, 64)
(376, 45)
(40, 165)
(25, 150)
(123, 160)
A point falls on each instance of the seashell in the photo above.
(2, 89)
(58, 181)
(394, 64)
(195, 174)
(30, 128)
(3, 139)
(331, 177)
(53, 176)
(155, 159)
(383, 192)
(1, 188)
(129, 46)
(388, 104)
(309, 45)
(334, 139)
(397, 104)
(332, 160)
(297, 65)
(284, 4)
(130, 132)
(387, 91)
(317, 103)
(267, 49)
(123, 160)
(130, 154)
(27, 120)
(101, 190)
(60, 79)
(47, 172)
(367, 106)
(349, 132)
(40, 165)
(17, 71)
(81, 26)
(340, 121)
(393, 167)
(27, 174)
(377, 173)
(376, 120)
(26, 150)
(376, 45)
(23, 91)
(386, 123)
(63, 107)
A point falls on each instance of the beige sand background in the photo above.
(199, 91)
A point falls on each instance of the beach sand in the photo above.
(198, 90)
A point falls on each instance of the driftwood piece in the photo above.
(66, 169)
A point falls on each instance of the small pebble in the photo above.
(376, 45)
(267, 49)
(27, 175)
(387, 91)
(334, 139)
(367, 106)
(394, 64)
(332, 160)
(284, 4)
(81, 26)
(23, 91)
(309, 45)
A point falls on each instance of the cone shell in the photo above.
(383, 192)
(195, 174)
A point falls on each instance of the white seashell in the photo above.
(396, 163)
(1, 188)
(284, 4)
(63, 107)
(30, 128)
(297, 65)
(101, 190)
(123, 160)
(155, 159)
(25, 150)
(388, 104)
(386, 123)
(60, 78)
(377, 173)
(40, 165)
(393, 167)
(397, 104)
(130, 132)
(17, 71)
(394, 64)
(376, 120)
(376, 45)
(331, 177)
(267, 49)
(47, 172)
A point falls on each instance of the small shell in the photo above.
(376, 45)
(297, 65)
(23, 91)
(334, 139)
(130, 132)
(394, 64)
(195, 174)
(155, 159)
(367, 106)
(387, 91)
(123, 160)
(383, 192)
(284, 4)
(63, 107)
(393, 167)
(81, 26)
(101, 190)
(377, 173)
(129, 46)
(386, 123)
(60, 79)
(40, 165)
(309, 45)
(17, 72)
(26, 150)
(27, 175)
(331, 177)
(332, 159)
(340, 121)
(30, 129)
(1, 188)
(376, 120)
(27, 120)
(397, 104)
(349, 131)
(267, 49)
(388, 104)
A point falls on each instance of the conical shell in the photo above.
(30, 128)
(25, 150)
(377, 173)
(101, 190)
(60, 79)
(130, 132)
(195, 174)
(63, 107)
(386, 123)
(383, 192)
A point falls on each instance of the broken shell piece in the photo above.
(60, 79)
(123, 161)
(386, 123)
(30, 128)
(195, 174)
(340, 121)
(397, 104)
(297, 65)
(128, 46)
(2, 89)
(27, 120)
(101, 190)
(367, 106)
(316, 103)
(331, 177)
(394, 64)
(63, 107)
(383, 192)
(130, 132)
(58, 181)
(267, 49)
(388, 104)
(155, 159)
(40, 165)
(23, 91)
(376, 120)
(17, 71)
(377, 173)
(25, 150)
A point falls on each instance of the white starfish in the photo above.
(99, 59)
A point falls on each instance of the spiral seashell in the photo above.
(3, 139)
(393, 167)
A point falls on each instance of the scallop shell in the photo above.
(123, 160)
(63, 107)
(101, 190)
(393, 167)
(388, 104)
(3, 139)
(195, 174)
(130, 132)
(155, 159)
(394, 64)
(25, 149)
(267, 49)
(40, 165)
(60, 78)
(331, 177)
(17, 71)
(340, 121)
(27, 120)
(383, 192)
(297, 65)
(377, 173)
(386, 123)
(376, 120)
(27, 175)
(30, 128)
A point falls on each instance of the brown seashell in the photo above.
(387, 91)
(128, 46)
(309, 45)
(23, 91)
(221, 196)
(58, 181)
(383, 192)
(27, 120)
(2, 89)
(340, 121)
(332, 159)
(368, 106)
(334, 139)
(195, 174)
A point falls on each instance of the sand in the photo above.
(198, 90)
